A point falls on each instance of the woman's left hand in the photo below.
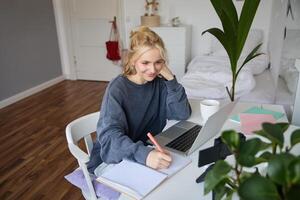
(166, 73)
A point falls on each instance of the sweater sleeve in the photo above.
(111, 131)
(178, 106)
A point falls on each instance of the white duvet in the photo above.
(208, 76)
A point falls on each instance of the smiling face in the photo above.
(145, 57)
(148, 66)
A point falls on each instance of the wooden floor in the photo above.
(33, 152)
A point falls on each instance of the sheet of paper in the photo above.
(253, 122)
(134, 176)
(178, 163)
(137, 180)
(258, 110)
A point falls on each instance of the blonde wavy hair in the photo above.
(142, 40)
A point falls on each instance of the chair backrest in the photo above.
(76, 130)
(82, 128)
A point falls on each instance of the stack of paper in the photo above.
(258, 110)
(253, 122)
(137, 180)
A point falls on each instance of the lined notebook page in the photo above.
(137, 180)
(136, 177)
(178, 163)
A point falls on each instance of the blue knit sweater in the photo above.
(129, 111)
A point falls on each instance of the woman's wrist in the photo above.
(167, 73)
(169, 77)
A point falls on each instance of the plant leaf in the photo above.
(283, 125)
(294, 171)
(252, 54)
(248, 150)
(266, 156)
(295, 137)
(245, 175)
(220, 190)
(275, 132)
(227, 90)
(226, 8)
(229, 195)
(235, 32)
(232, 139)
(259, 160)
(264, 145)
(263, 133)
(217, 175)
(220, 35)
(293, 193)
(245, 21)
(230, 9)
(278, 168)
(258, 188)
(250, 57)
(229, 19)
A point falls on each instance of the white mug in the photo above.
(208, 107)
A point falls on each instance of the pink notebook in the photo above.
(253, 122)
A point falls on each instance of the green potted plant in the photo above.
(234, 33)
(280, 177)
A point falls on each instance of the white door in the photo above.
(90, 30)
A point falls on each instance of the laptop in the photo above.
(185, 137)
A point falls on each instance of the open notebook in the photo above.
(136, 180)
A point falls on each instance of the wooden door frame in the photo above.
(63, 26)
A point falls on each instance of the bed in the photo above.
(207, 76)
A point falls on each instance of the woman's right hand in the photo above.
(158, 160)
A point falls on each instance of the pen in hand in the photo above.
(160, 158)
(153, 140)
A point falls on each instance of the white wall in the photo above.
(199, 13)
(29, 53)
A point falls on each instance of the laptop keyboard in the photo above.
(186, 140)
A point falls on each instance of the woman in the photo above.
(137, 102)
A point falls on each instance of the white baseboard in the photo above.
(30, 91)
(70, 77)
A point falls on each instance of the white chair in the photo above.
(82, 128)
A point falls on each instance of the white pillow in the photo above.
(255, 37)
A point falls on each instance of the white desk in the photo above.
(182, 185)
